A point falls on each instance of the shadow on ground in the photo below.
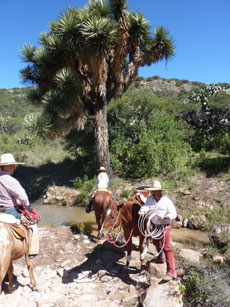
(107, 259)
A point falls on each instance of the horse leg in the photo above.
(10, 276)
(4, 266)
(98, 221)
(29, 264)
(142, 250)
(129, 249)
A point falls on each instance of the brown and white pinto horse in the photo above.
(126, 214)
(101, 203)
(12, 248)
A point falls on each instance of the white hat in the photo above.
(8, 159)
(102, 169)
(156, 186)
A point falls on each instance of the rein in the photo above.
(110, 238)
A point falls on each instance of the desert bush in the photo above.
(207, 286)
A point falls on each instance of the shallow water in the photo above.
(189, 235)
(59, 215)
(54, 215)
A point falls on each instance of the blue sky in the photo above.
(200, 29)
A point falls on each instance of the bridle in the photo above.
(109, 237)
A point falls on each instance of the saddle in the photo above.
(140, 195)
(17, 229)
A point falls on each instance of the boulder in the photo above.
(161, 295)
(190, 255)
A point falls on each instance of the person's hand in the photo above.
(18, 202)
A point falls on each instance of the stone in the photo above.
(156, 269)
(191, 255)
(218, 259)
(166, 294)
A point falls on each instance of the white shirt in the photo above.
(10, 190)
(164, 207)
(102, 180)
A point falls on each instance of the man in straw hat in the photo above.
(102, 183)
(166, 212)
(12, 194)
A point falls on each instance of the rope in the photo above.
(145, 223)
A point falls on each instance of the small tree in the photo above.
(90, 56)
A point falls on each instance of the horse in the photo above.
(12, 248)
(125, 213)
(101, 203)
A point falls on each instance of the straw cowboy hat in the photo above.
(156, 186)
(8, 159)
(101, 169)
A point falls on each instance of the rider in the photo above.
(102, 183)
(166, 212)
(13, 195)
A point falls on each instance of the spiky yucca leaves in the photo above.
(139, 29)
(90, 56)
(97, 8)
(39, 125)
(162, 46)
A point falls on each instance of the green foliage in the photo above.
(125, 194)
(217, 225)
(38, 125)
(85, 187)
(143, 148)
(81, 228)
(193, 289)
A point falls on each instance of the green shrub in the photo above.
(149, 147)
(125, 194)
(86, 188)
(207, 286)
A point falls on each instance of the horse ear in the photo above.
(121, 205)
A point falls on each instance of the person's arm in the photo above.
(171, 211)
(17, 191)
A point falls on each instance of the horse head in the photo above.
(112, 219)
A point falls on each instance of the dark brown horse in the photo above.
(125, 214)
(12, 248)
(101, 203)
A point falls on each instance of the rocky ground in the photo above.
(77, 270)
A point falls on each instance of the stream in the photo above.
(54, 215)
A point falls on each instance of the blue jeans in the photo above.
(14, 212)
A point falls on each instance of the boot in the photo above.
(89, 207)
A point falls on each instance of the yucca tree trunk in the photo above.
(102, 138)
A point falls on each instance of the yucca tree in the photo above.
(88, 57)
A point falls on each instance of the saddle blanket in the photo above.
(103, 190)
(8, 218)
